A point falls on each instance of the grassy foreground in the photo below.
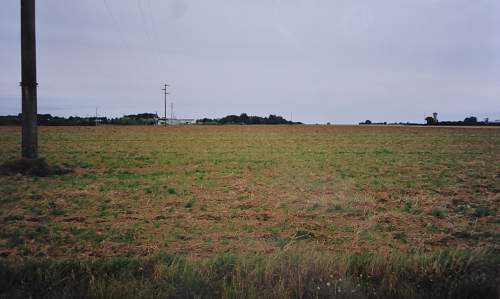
(297, 274)
(254, 211)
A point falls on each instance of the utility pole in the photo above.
(165, 93)
(29, 147)
(96, 116)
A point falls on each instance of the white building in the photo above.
(175, 121)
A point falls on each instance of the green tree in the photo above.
(430, 120)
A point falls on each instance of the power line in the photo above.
(146, 30)
(153, 29)
(152, 37)
(151, 17)
(143, 19)
(114, 22)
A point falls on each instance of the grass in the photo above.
(256, 191)
(297, 274)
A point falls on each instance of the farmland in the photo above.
(199, 192)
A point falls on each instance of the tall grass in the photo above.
(294, 274)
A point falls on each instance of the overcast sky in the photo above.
(339, 61)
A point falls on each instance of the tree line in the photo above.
(244, 119)
(432, 121)
(140, 119)
(50, 120)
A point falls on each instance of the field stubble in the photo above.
(254, 211)
(202, 190)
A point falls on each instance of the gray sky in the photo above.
(339, 61)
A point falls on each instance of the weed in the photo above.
(224, 264)
(460, 209)
(282, 242)
(303, 235)
(349, 210)
(190, 203)
(437, 213)
(37, 232)
(409, 208)
(102, 214)
(382, 226)
(483, 211)
(336, 208)
(315, 206)
(14, 217)
(401, 236)
(55, 210)
(431, 228)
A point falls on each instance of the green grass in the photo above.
(297, 274)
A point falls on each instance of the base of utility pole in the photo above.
(32, 167)
(29, 122)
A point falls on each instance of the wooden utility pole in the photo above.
(165, 106)
(28, 80)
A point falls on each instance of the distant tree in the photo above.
(230, 119)
(276, 120)
(206, 121)
(142, 116)
(250, 120)
(430, 120)
(244, 118)
(10, 120)
(255, 120)
(470, 120)
(368, 122)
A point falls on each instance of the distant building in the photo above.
(175, 121)
(435, 116)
